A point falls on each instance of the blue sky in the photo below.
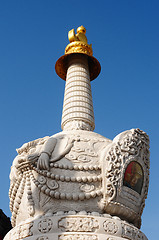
(125, 39)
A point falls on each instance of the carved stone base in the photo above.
(79, 226)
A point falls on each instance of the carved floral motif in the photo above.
(45, 225)
(110, 227)
(78, 224)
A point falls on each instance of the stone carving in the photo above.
(78, 125)
(78, 224)
(78, 237)
(131, 232)
(46, 154)
(20, 232)
(52, 184)
(87, 188)
(128, 146)
(25, 230)
(41, 179)
(110, 227)
(113, 172)
(45, 225)
(32, 174)
(48, 184)
(21, 162)
(20, 177)
(82, 151)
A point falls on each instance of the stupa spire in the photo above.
(78, 67)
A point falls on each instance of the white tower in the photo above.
(77, 184)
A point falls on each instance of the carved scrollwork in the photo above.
(131, 233)
(87, 188)
(78, 125)
(52, 184)
(127, 146)
(78, 224)
(113, 172)
(20, 232)
(41, 179)
(82, 151)
(77, 237)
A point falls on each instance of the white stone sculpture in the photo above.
(77, 184)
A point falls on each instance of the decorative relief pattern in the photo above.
(52, 184)
(27, 170)
(87, 188)
(78, 224)
(78, 125)
(41, 179)
(132, 233)
(45, 225)
(110, 227)
(79, 47)
(78, 237)
(25, 230)
(82, 151)
(20, 232)
(21, 176)
(127, 146)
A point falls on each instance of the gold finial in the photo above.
(78, 45)
(80, 36)
(78, 42)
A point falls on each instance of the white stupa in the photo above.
(77, 184)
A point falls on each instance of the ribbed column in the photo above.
(78, 107)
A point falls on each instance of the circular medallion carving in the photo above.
(45, 225)
(110, 227)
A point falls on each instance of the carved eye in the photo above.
(133, 177)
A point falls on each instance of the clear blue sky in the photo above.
(125, 39)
